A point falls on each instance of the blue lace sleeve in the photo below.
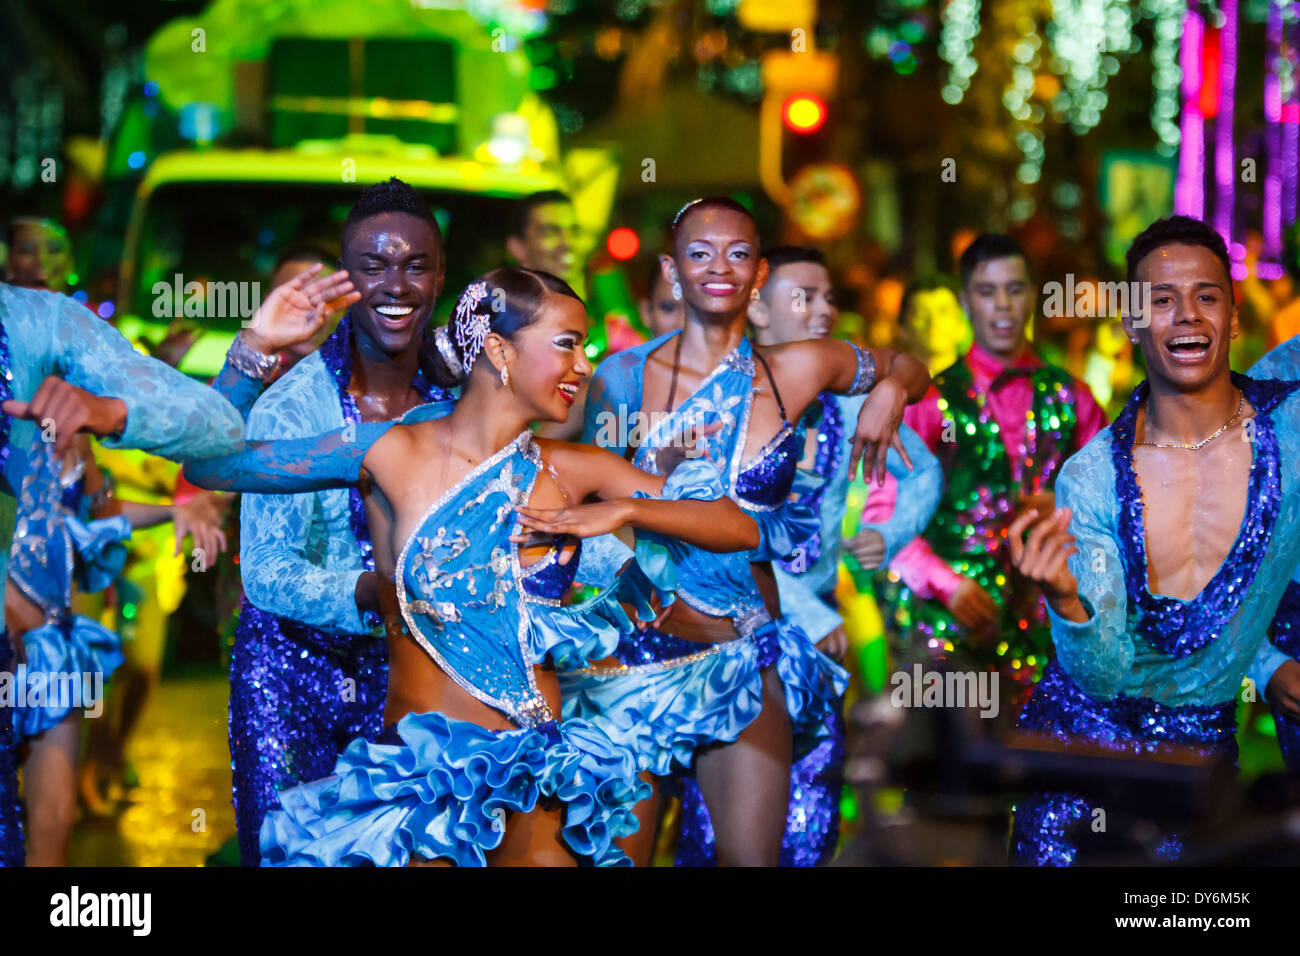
(240, 390)
(1282, 362)
(168, 413)
(291, 465)
(1097, 653)
(919, 491)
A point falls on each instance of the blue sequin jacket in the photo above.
(1174, 652)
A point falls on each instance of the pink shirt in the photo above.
(927, 574)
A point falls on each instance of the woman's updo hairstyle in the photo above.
(503, 301)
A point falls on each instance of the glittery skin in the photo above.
(1285, 634)
(982, 484)
(812, 824)
(1051, 828)
(298, 694)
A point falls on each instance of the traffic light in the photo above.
(803, 112)
(796, 87)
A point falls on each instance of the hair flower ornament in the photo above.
(471, 327)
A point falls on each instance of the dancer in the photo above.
(473, 767)
(1171, 550)
(45, 339)
(1001, 421)
(67, 657)
(723, 684)
(308, 669)
(1283, 362)
(797, 303)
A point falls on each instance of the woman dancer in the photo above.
(721, 686)
(473, 767)
(66, 657)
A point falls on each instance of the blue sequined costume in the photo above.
(43, 334)
(672, 696)
(435, 787)
(307, 672)
(807, 581)
(1146, 671)
(1283, 362)
(69, 656)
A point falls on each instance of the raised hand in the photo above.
(296, 311)
(201, 517)
(61, 410)
(685, 447)
(1042, 557)
(868, 547)
(877, 431)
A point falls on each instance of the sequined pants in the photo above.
(11, 822)
(812, 823)
(297, 698)
(1285, 634)
(1060, 829)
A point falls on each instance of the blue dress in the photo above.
(670, 696)
(1146, 671)
(41, 334)
(1283, 362)
(807, 581)
(436, 787)
(308, 673)
(69, 656)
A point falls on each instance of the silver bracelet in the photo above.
(866, 376)
(246, 359)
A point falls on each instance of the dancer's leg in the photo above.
(50, 788)
(746, 784)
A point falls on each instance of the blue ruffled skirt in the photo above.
(443, 789)
(64, 656)
(701, 694)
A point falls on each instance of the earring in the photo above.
(677, 291)
(505, 375)
(753, 295)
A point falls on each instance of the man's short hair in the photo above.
(524, 208)
(392, 195)
(778, 256)
(985, 248)
(1183, 231)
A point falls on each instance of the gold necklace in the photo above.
(1204, 441)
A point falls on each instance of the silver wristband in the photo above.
(246, 359)
(866, 376)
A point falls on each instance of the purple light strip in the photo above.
(1273, 136)
(1189, 193)
(1225, 160)
(1290, 130)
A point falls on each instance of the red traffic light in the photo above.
(623, 243)
(803, 112)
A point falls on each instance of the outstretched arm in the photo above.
(141, 403)
(688, 505)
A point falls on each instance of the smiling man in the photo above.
(309, 670)
(1163, 568)
(1001, 421)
